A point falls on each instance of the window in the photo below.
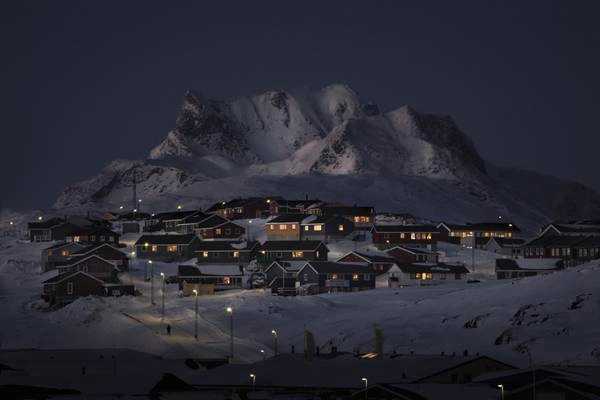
(76, 239)
(64, 253)
(237, 231)
(402, 236)
(92, 238)
(297, 254)
(341, 228)
(356, 219)
(355, 277)
(236, 254)
(458, 277)
(172, 248)
(386, 235)
(226, 280)
(318, 228)
(429, 236)
(218, 231)
(414, 276)
(333, 277)
(305, 277)
(85, 268)
(101, 238)
(271, 226)
(111, 238)
(228, 231)
(367, 277)
(69, 287)
(282, 227)
(443, 276)
(205, 254)
(413, 236)
(306, 228)
(293, 226)
(317, 253)
(154, 248)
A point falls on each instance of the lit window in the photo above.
(356, 219)
(205, 254)
(271, 226)
(418, 275)
(282, 227)
(412, 236)
(334, 277)
(341, 228)
(236, 254)
(402, 236)
(172, 248)
(154, 248)
(76, 239)
(355, 277)
(218, 231)
(226, 280)
(293, 226)
(429, 236)
(65, 253)
(306, 227)
(317, 253)
(297, 254)
(318, 228)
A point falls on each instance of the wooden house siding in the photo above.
(82, 285)
(228, 230)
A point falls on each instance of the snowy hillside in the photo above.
(500, 318)
(325, 141)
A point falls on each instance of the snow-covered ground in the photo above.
(555, 316)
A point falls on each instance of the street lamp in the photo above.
(164, 284)
(366, 381)
(178, 207)
(501, 391)
(274, 333)
(263, 354)
(230, 312)
(40, 218)
(146, 268)
(151, 282)
(196, 315)
(253, 377)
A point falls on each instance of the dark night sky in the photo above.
(88, 82)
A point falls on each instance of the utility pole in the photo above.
(164, 285)
(230, 312)
(151, 283)
(274, 333)
(196, 315)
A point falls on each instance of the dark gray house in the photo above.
(281, 276)
(509, 268)
(326, 228)
(292, 250)
(233, 252)
(219, 277)
(49, 230)
(329, 276)
(59, 254)
(167, 247)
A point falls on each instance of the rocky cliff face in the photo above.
(254, 145)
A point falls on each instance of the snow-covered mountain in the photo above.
(334, 145)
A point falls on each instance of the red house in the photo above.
(422, 236)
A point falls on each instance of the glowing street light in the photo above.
(263, 354)
(366, 381)
(162, 313)
(12, 223)
(253, 377)
(501, 391)
(120, 207)
(40, 218)
(230, 312)
(195, 314)
(179, 207)
(151, 282)
(274, 333)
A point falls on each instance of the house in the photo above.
(506, 246)
(49, 230)
(481, 231)
(167, 247)
(94, 235)
(363, 217)
(292, 250)
(281, 276)
(219, 276)
(91, 275)
(279, 206)
(385, 267)
(226, 252)
(215, 227)
(284, 227)
(419, 236)
(425, 273)
(329, 276)
(254, 207)
(59, 254)
(508, 268)
(326, 228)
(105, 250)
(190, 223)
(588, 249)
(552, 246)
(167, 221)
(412, 254)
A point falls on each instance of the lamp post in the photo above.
(230, 312)
(151, 282)
(274, 333)
(501, 391)
(366, 381)
(263, 354)
(248, 237)
(164, 285)
(196, 315)
(253, 377)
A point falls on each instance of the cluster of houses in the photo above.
(294, 258)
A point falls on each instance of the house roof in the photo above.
(482, 226)
(174, 215)
(404, 228)
(573, 228)
(556, 241)
(194, 218)
(325, 267)
(61, 277)
(47, 224)
(209, 270)
(412, 250)
(63, 244)
(223, 245)
(283, 218)
(372, 258)
(93, 231)
(81, 259)
(89, 249)
(212, 222)
(433, 267)
(509, 264)
(165, 239)
(289, 266)
(235, 203)
(591, 241)
(282, 245)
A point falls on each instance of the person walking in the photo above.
(168, 330)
